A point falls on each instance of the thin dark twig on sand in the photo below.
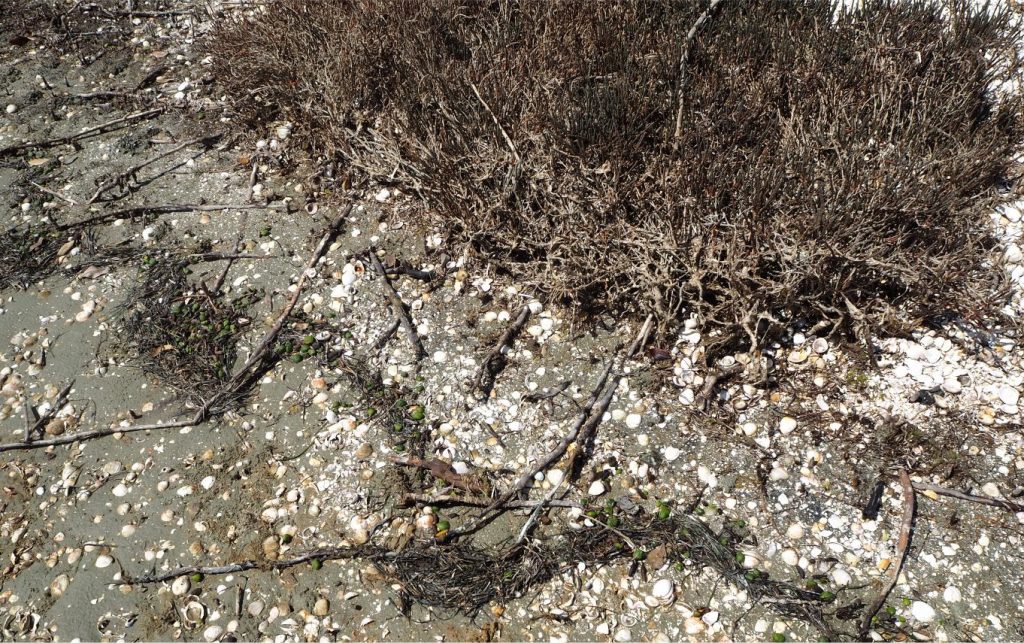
(602, 394)
(322, 554)
(96, 129)
(491, 365)
(902, 545)
(1015, 507)
(397, 307)
(127, 174)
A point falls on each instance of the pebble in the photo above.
(633, 420)
(212, 633)
(952, 595)
(671, 453)
(440, 357)
(180, 586)
(87, 310)
(922, 612)
(795, 531)
(11, 108)
(790, 557)
(103, 560)
(841, 577)
(596, 488)
(990, 489)
(787, 425)
(322, 607)
(693, 625)
(59, 585)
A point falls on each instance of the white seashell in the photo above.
(922, 612)
(663, 589)
(596, 488)
(194, 614)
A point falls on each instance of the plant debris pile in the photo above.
(30, 254)
(462, 577)
(794, 161)
(182, 336)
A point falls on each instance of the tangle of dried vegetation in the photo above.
(792, 162)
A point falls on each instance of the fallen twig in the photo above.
(504, 134)
(902, 545)
(422, 275)
(493, 364)
(325, 553)
(600, 394)
(96, 129)
(257, 354)
(41, 420)
(127, 174)
(398, 307)
(446, 473)
(702, 398)
(386, 336)
(141, 210)
(589, 429)
(55, 193)
(960, 495)
(410, 499)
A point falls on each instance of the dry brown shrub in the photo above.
(830, 162)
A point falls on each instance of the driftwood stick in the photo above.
(410, 499)
(586, 434)
(223, 256)
(55, 193)
(142, 210)
(602, 393)
(61, 140)
(422, 275)
(217, 285)
(902, 545)
(118, 179)
(40, 421)
(684, 60)
(29, 411)
(492, 365)
(257, 354)
(489, 513)
(82, 436)
(446, 473)
(386, 336)
(960, 495)
(324, 553)
(397, 306)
